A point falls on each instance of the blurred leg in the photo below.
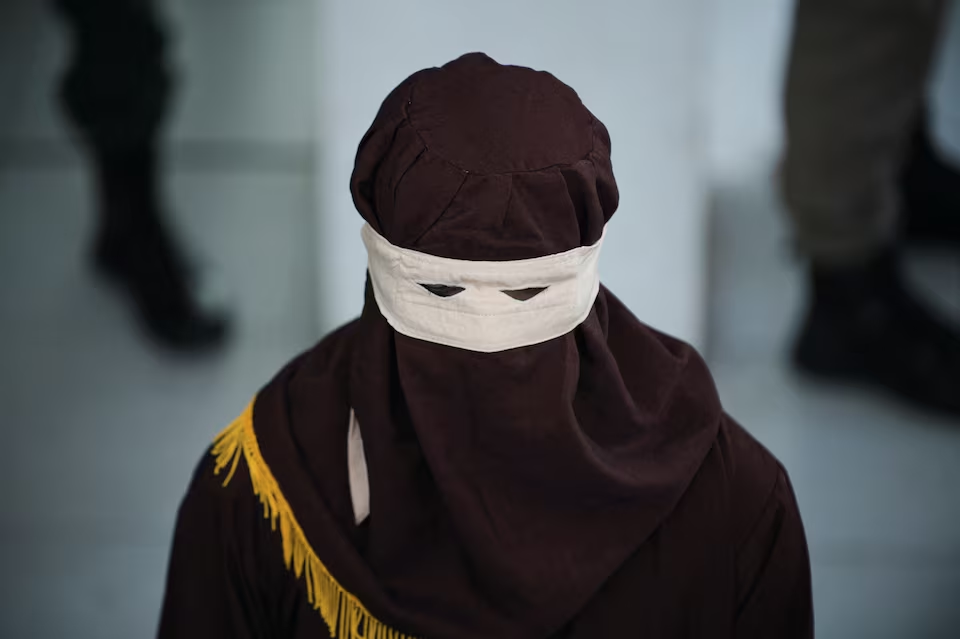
(856, 84)
(117, 86)
(116, 91)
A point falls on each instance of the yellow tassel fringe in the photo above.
(346, 617)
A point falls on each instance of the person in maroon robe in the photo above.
(497, 447)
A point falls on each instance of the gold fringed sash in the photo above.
(346, 617)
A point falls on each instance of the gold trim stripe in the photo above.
(345, 616)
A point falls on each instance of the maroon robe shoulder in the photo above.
(730, 560)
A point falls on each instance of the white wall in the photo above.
(747, 46)
(636, 64)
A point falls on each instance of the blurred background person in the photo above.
(860, 176)
(116, 91)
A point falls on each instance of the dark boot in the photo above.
(136, 250)
(930, 191)
(865, 326)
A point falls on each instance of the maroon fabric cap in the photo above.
(480, 161)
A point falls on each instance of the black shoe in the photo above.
(149, 272)
(135, 250)
(865, 326)
(930, 192)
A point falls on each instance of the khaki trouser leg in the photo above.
(856, 83)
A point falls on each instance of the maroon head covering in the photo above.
(479, 161)
(506, 487)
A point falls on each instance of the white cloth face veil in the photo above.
(482, 306)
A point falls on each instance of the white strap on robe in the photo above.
(357, 465)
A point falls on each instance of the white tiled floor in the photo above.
(101, 432)
(877, 483)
